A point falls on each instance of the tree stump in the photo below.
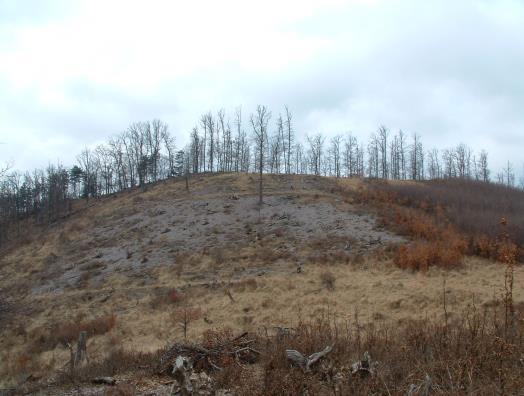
(81, 349)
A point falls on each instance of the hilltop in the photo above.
(129, 264)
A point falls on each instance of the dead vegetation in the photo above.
(331, 279)
(480, 352)
(66, 333)
(473, 207)
(448, 219)
(328, 279)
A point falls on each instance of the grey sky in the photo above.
(72, 73)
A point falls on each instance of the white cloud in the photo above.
(72, 73)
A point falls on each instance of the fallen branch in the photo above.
(239, 347)
(306, 362)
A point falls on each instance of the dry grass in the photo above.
(117, 362)
(328, 279)
(247, 284)
(363, 293)
(471, 354)
(164, 299)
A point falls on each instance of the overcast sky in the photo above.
(72, 73)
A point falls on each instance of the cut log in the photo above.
(104, 381)
(182, 371)
(317, 356)
(296, 357)
(306, 362)
(364, 367)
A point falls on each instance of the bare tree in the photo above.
(316, 144)
(335, 153)
(522, 178)
(350, 155)
(184, 316)
(509, 175)
(222, 147)
(290, 138)
(104, 161)
(204, 123)
(402, 154)
(169, 144)
(242, 151)
(129, 158)
(383, 148)
(417, 158)
(195, 147)
(156, 133)
(87, 164)
(277, 147)
(299, 158)
(209, 125)
(259, 123)
(462, 154)
(5, 168)
(117, 154)
(434, 167)
(394, 162)
(137, 135)
(373, 157)
(449, 164)
(482, 166)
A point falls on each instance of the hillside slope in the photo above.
(140, 257)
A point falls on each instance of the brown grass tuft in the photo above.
(328, 279)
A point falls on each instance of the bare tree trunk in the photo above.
(81, 348)
(259, 123)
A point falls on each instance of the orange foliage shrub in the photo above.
(507, 252)
(421, 255)
(418, 225)
(437, 242)
(473, 208)
(483, 246)
(439, 217)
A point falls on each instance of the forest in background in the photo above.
(146, 153)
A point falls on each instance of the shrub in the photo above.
(117, 362)
(443, 218)
(184, 316)
(175, 296)
(474, 208)
(67, 333)
(171, 297)
(421, 255)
